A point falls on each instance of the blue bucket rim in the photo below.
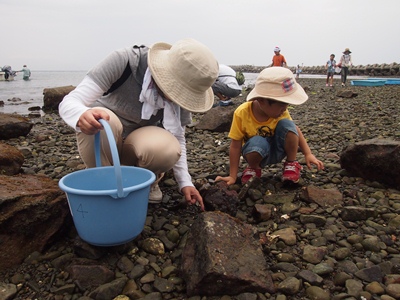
(109, 192)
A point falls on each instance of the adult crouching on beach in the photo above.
(147, 96)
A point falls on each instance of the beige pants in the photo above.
(149, 147)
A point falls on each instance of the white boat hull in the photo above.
(3, 76)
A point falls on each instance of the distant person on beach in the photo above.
(226, 86)
(26, 73)
(298, 71)
(263, 131)
(345, 63)
(278, 60)
(330, 70)
(147, 95)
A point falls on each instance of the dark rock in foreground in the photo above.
(223, 256)
(34, 213)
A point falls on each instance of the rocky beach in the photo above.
(312, 251)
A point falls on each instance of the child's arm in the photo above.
(305, 149)
(235, 151)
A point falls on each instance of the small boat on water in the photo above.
(3, 76)
(7, 73)
(368, 82)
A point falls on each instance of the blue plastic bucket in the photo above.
(108, 204)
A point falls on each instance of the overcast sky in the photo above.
(76, 34)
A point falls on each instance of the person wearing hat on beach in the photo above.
(226, 86)
(330, 70)
(345, 63)
(147, 96)
(278, 60)
(263, 131)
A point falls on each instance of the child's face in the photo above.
(332, 56)
(274, 109)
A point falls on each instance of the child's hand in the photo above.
(311, 159)
(229, 180)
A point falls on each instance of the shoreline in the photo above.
(329, 123)
(374, 70)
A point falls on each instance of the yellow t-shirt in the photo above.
(244, 124)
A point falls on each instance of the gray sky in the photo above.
(76, 34)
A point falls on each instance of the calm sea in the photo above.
(31, 92)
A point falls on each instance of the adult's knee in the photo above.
(151, 147)
(86, 142)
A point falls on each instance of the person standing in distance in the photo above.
(278, 60)
(26, 73)
(345, 63)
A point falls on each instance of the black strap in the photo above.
(127, 72)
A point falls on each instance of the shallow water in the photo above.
(31, 92)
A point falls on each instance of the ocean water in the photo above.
(31, 92)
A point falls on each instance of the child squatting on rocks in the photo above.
(263, 131)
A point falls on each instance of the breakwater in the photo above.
(374, 70)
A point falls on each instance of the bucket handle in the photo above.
(114, 154)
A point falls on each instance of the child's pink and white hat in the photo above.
(278, 83)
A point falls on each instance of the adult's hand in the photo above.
(192, 196)
(88, 121)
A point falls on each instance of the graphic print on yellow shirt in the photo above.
(245, 126)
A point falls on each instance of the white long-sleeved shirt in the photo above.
(85, 95)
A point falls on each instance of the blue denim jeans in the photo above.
(271, 149)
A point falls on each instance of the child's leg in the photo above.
(255, 150)
(291, 146)
(285, 142)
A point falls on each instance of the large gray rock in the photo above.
(217, 119)
(53, 96)
(374, 159)
(323, 197)
(223, 256)
(34, 211)
(13, 125)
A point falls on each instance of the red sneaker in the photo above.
(291, 171)
(250, 173)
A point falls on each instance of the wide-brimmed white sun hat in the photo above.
(278, 83)
(185, 73)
